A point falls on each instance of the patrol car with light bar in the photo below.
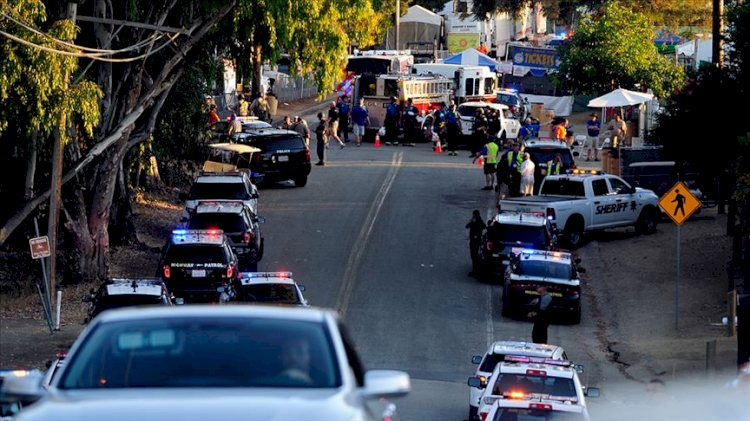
(509, 231)
(10, 407)
(583, 201)
(520, 376)
(496, 354)
(528, 269)
(200, 266)
(271, 288)
(231, 185)
(118, 292)
(536, 408)
(239, 224)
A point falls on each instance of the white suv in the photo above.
(519, 376)
(496, 353)
(542, 408)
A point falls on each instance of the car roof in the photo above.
(259, 278)
(524, 348)
(193, 237)
(521, 218)
(653, 164)
(311, 314)
(545, 143)
(219, 206)
(477, 104)
(271, 132)
(221, 177)
(546, 256)
(557, 405)
(550, 370)
(120, 286)
(234, 147)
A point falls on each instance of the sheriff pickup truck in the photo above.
(582, 201)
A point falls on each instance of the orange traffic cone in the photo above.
(480, 161)
(438, 147)
(377, 140)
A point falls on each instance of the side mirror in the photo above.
(476, 382)
(23, 386)
(386, 384)
(254, 196)
(179, 301)
(183, 196)
(592, 392)
(581, 270)
(86, 299)
(576, 154)
(477, 359)
(260, 219)
(579, 368)
(301, 288)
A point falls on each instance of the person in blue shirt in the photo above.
(361, 119)
(410, 121)
(594, 127)
(453, 130)
(438, 124)
(344, 115)
(392, 118)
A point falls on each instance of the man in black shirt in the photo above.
(333, 124)
(476, 227)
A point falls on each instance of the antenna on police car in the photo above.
(134, 285)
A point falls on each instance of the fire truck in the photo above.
(470, 83)
(427, 92)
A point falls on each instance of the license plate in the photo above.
(283, 158)
(199, 273)
(495, 254)
(552, 294)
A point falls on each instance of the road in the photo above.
(378, 234)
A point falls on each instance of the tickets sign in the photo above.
(535, 58)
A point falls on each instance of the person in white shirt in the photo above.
(527, 175)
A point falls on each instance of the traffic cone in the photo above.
(480, 161)
(377, 140)
(438, 147)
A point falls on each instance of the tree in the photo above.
(562, 12)
(674, 14)
(615, 49)
(433, 5)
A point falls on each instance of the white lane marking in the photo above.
(490, 321)
(344, 294)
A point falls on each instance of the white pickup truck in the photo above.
(586, 201)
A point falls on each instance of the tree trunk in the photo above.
(31, 168)
(153, 181)
(122, 220)
(257, 70)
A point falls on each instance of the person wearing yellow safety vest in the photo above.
(554, 166)
(512, 162)
(489, 153)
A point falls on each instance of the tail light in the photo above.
(573, 166)
(540, 406)
(61, 354)
(247, 237)
(489, 246)
(483, 416)
(536, 372)
(256, 158)
(572, 293)
(230, 271)
(167, 271)
(551, 214)
(307, 154)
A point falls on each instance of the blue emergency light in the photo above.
(537, 360)
(266, 274)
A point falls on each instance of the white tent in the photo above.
(620, 98)
(417, 25)
(472, 57)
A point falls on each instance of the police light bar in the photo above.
(583, 172)
(266, 274)
(219, 202)
(538, 360)
(197, 232)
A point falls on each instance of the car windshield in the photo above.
(204, 352)
(110, 302)
(228, 222)
(563, 187)
(544, 269)
(226, 191)
(544, 155)
(523, 234)
(509, 99)
(198, 253)
(534, 384)
(271, 293)
(521, 414)
(468, 111)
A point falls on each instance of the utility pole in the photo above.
(717, 41)
(398, 23)
(57, 171)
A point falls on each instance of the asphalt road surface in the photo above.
(378, 234)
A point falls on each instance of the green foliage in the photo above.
(559, 11)
(433, 5)
(615, 50)
(674, 13)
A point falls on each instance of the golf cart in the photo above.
(227, 157)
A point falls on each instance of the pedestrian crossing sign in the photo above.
(679, 203)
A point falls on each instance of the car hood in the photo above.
(197, 404)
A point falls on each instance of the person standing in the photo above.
(235, 125)
(300, 126)
(361, 119)
(260, 108)
(476, 227)
(410, 121)
(438, 124)
(213, 117)
(320, 134)
(514, 159)
(287, 124)
(527, 175)
(244, 107)
(344, 114)
(554, 166)
(540, 315)
(333, 124)
(482, 48)
(479, 129)
(593, 127)
(618, 130)
(453, 130)
(489, 152)
(392, 118)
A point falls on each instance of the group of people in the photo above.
(298, 125)
(511, 172)
(335, 125)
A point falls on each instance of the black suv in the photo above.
(515, 103)
(541, 151)
(239, 224)
(511, 232)
(199, 266)
(284, 155)
(117, 292)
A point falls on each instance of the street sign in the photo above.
(39, 247)
(679, 203)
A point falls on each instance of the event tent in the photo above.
(472, 57)
(620, 98)
(418, 24)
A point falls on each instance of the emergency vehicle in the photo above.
(378, 62)
(470, 83)
(537, 407)
(427, 92)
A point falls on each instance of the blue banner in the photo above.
(535, 58)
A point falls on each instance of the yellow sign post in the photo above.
(679, 204)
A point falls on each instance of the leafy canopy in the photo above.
(615, 50)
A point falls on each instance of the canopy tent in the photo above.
(620, 98)
(417, 25)
(472, 57)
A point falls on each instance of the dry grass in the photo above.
(73, 310)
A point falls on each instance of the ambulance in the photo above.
(470, 83)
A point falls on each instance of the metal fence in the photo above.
(286, 88)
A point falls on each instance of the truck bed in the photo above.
(538, 200)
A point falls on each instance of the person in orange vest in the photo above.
(482, 48)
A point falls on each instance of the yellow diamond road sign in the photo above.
(679, 203)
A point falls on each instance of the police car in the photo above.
(9, 408)
(231, 185)
(556, 270)
(520, 376)
(535, 407)
(511, 232)
(271, 288)
(542, 151)
(496, 353)
(239, 224)
(509, 126)
(117, 292)
(199, 266)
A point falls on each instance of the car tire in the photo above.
(573, 233)
(473, 410)
(300, 181)
(576, 317)
(262, 249)
(647, 221)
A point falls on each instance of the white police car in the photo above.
(271, 288)
(536, 407)
(121, 292)
(209, 186)
(496, 353)
(520, 376)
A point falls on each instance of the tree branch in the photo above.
(143, 134)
